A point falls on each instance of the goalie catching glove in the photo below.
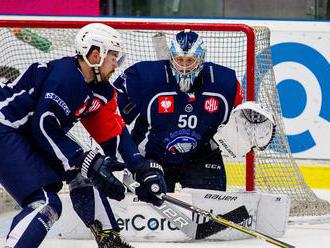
(98, 169)
(249, 126)
(150, 176)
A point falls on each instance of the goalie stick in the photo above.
(132, 184)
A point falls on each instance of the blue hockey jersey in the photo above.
(172, 126)
(46, 100)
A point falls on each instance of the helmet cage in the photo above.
(186, 70)
(187, 44)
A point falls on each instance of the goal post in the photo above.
(241, 47)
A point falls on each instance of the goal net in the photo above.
(240, 47)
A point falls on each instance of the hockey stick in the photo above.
(192, 229)
(226, 222)
(132, 184)
(169, 211)
(183, 222)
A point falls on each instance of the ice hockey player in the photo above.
(178, 105)
(36, 110)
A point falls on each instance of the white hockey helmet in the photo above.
(99, 35)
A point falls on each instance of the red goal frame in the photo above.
(151, 25)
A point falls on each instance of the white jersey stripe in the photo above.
(11, 85)
(55, 148)
(10, 99)
(15, 124)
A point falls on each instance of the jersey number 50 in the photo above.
(187, 120)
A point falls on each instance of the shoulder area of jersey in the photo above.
(66, 73)
(66, 66)
(65, 61)
(148, 64)
(216, 67)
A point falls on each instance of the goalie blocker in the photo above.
(249, 126)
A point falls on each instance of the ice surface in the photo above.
(301, 236)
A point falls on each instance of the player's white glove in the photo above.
(249, 126)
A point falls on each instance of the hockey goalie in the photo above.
(249, 127)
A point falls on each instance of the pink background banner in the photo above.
(50, 7)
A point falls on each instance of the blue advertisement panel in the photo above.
(301, 59)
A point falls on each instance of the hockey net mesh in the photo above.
(275, 169)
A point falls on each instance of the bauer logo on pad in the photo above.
(165, 104)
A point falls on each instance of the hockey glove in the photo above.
(150, 175)
(98, 169)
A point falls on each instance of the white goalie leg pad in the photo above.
(268, 213)
(249, 126)
(140, 221)
(273, 214)
(221, 203)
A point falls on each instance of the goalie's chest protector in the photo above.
(175, 117)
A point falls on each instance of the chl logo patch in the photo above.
(211, 104)
(165, 104)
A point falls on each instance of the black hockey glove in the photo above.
(150, 175)
(98, 169)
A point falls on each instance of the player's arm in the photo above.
(108, 129)
(50, 117)
(52, 114)
(127, 85)
(248, 126)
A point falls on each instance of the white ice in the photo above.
(301, 236)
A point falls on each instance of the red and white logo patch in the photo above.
(165, 104)
(211, 105)
(95, 105)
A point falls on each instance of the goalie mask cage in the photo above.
(240, 47)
